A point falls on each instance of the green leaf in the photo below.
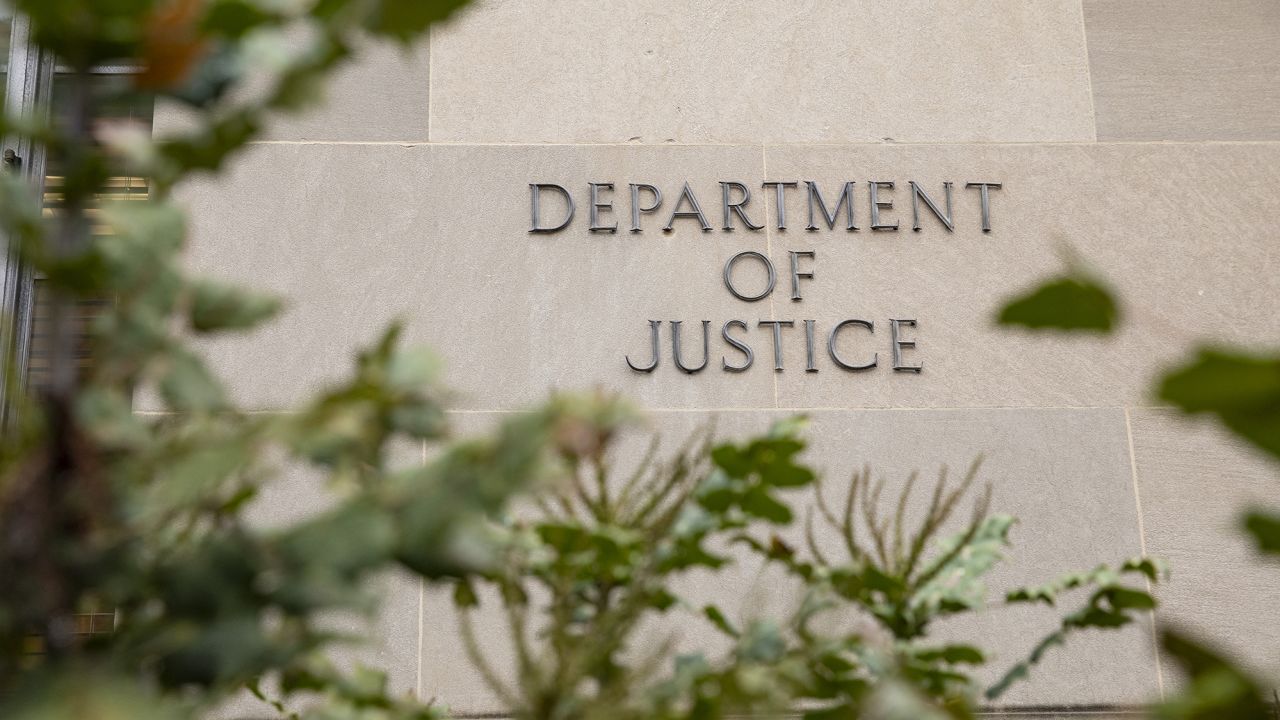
(1154, 569)
(761, 504)
(662, 600)
(1265, 528)
(1216, 687)
(776, 458)
(236, 18)
(762, 642)
(1122, 598)
(215, 306)
(717, 492)
(1243, 391)
(717, 618)
(79, 693)
(412, 369)
(873, 578)
(191, 476)
(440, 507)
(1066, 303)
(1019, 672)
(1111, 606)
(208, 82)
(405, 20)
(1224, 380)
(85, 33)
(325, 558)
(419, 420)
(351, 539)
(955, 576)
(733, 461)
(187, 385)
(1151, 568)
(108, 415)
(152, 227)
(137, 263)
(954, 654)
(464, 595)
(564, 538)
(209, 148)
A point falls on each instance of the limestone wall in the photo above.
(1139, 135)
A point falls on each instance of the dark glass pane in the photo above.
(41, 326)
(113, 101)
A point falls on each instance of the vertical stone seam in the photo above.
(431, 95)
(1142, 544)
(768, 250)
(1088, 73)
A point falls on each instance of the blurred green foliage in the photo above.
(1241, 390)
(144, 515)
(589, 590)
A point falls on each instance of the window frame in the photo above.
(28, 92)
(28, 89)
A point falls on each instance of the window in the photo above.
(113, 102)
(30, 84)
(33, 85)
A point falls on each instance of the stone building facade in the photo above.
(1137, 136)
